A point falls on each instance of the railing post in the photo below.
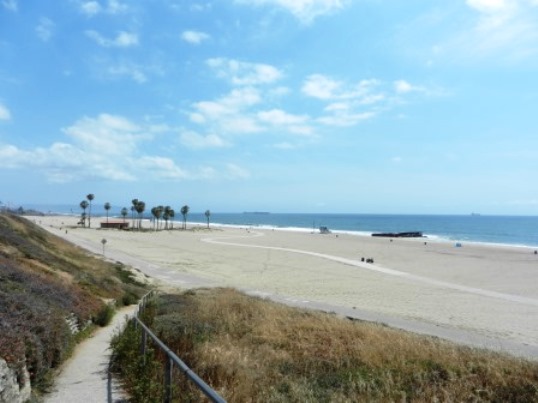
(168, 380)
(143, 345)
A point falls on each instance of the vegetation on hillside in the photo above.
(51, 294)
(249, 349)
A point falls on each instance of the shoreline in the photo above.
(199, 224)
(478, 295)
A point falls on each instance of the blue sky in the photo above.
(358, 106)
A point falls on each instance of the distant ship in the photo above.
(475, 214)
(256, 212)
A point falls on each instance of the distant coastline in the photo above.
(488, 229)
(256, 212)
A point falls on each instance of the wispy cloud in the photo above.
(349, 103)
(125, 69)
(194, 37)
(195, 140)
(304, 10)
(296, 124)
(324, 87)
(45, 29)
(234, 171)
(5, 114)
(405, 87)
(10, 5)
(244, 109)
(92, 8)
(503, 30)
(122, 40)
(244, 73)
(112, 147)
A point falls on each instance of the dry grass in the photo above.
(252, 350)
(43, 279)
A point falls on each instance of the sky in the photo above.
(323, 106)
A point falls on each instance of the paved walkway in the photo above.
(85, 377)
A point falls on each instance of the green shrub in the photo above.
(105, 315)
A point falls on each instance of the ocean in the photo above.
(500, 230)
(508, 230)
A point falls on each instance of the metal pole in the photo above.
(168, 380)
(143, 345)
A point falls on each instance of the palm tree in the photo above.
(83, 205)
(166, 216)
(107, 207)
(171, 215)
(207, 215)
(184, 212)
(134, 202)
(90, 197)
(124, 213)
(140, 207)
(157, 213)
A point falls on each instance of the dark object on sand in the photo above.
(324, 230)
(413, 234)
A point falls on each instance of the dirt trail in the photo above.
(84, 377)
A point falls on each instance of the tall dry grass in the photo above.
(253, 350)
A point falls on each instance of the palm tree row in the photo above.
(166, 213)
(138, 207)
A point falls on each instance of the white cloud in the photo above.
(241, 124)
(92, 8)
(284, 146)
(107, 147)
(135, 72)
(343, 114)
(161, 167)
(347, 104)
(229, 114)
(122, 40)
(488, 6)
(194, 37)
(280, 117)
(243, 73)
(304, 10)
(405, 87)
(10, 5)
(45, 29)
(232, 104)
(326, 88)
(236, 172)
(322, 87)
(5, 114)
(506, 30)
(107, 134)
(116, 7)
(113, 148)
(402, 86)
(194, 140)
(296, 124)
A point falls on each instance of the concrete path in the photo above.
(85, 377)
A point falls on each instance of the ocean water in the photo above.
(509, 230)
(502, 230)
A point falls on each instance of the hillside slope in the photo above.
(51, 295)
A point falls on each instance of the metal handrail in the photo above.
(174, 359)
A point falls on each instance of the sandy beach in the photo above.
(485, 296)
